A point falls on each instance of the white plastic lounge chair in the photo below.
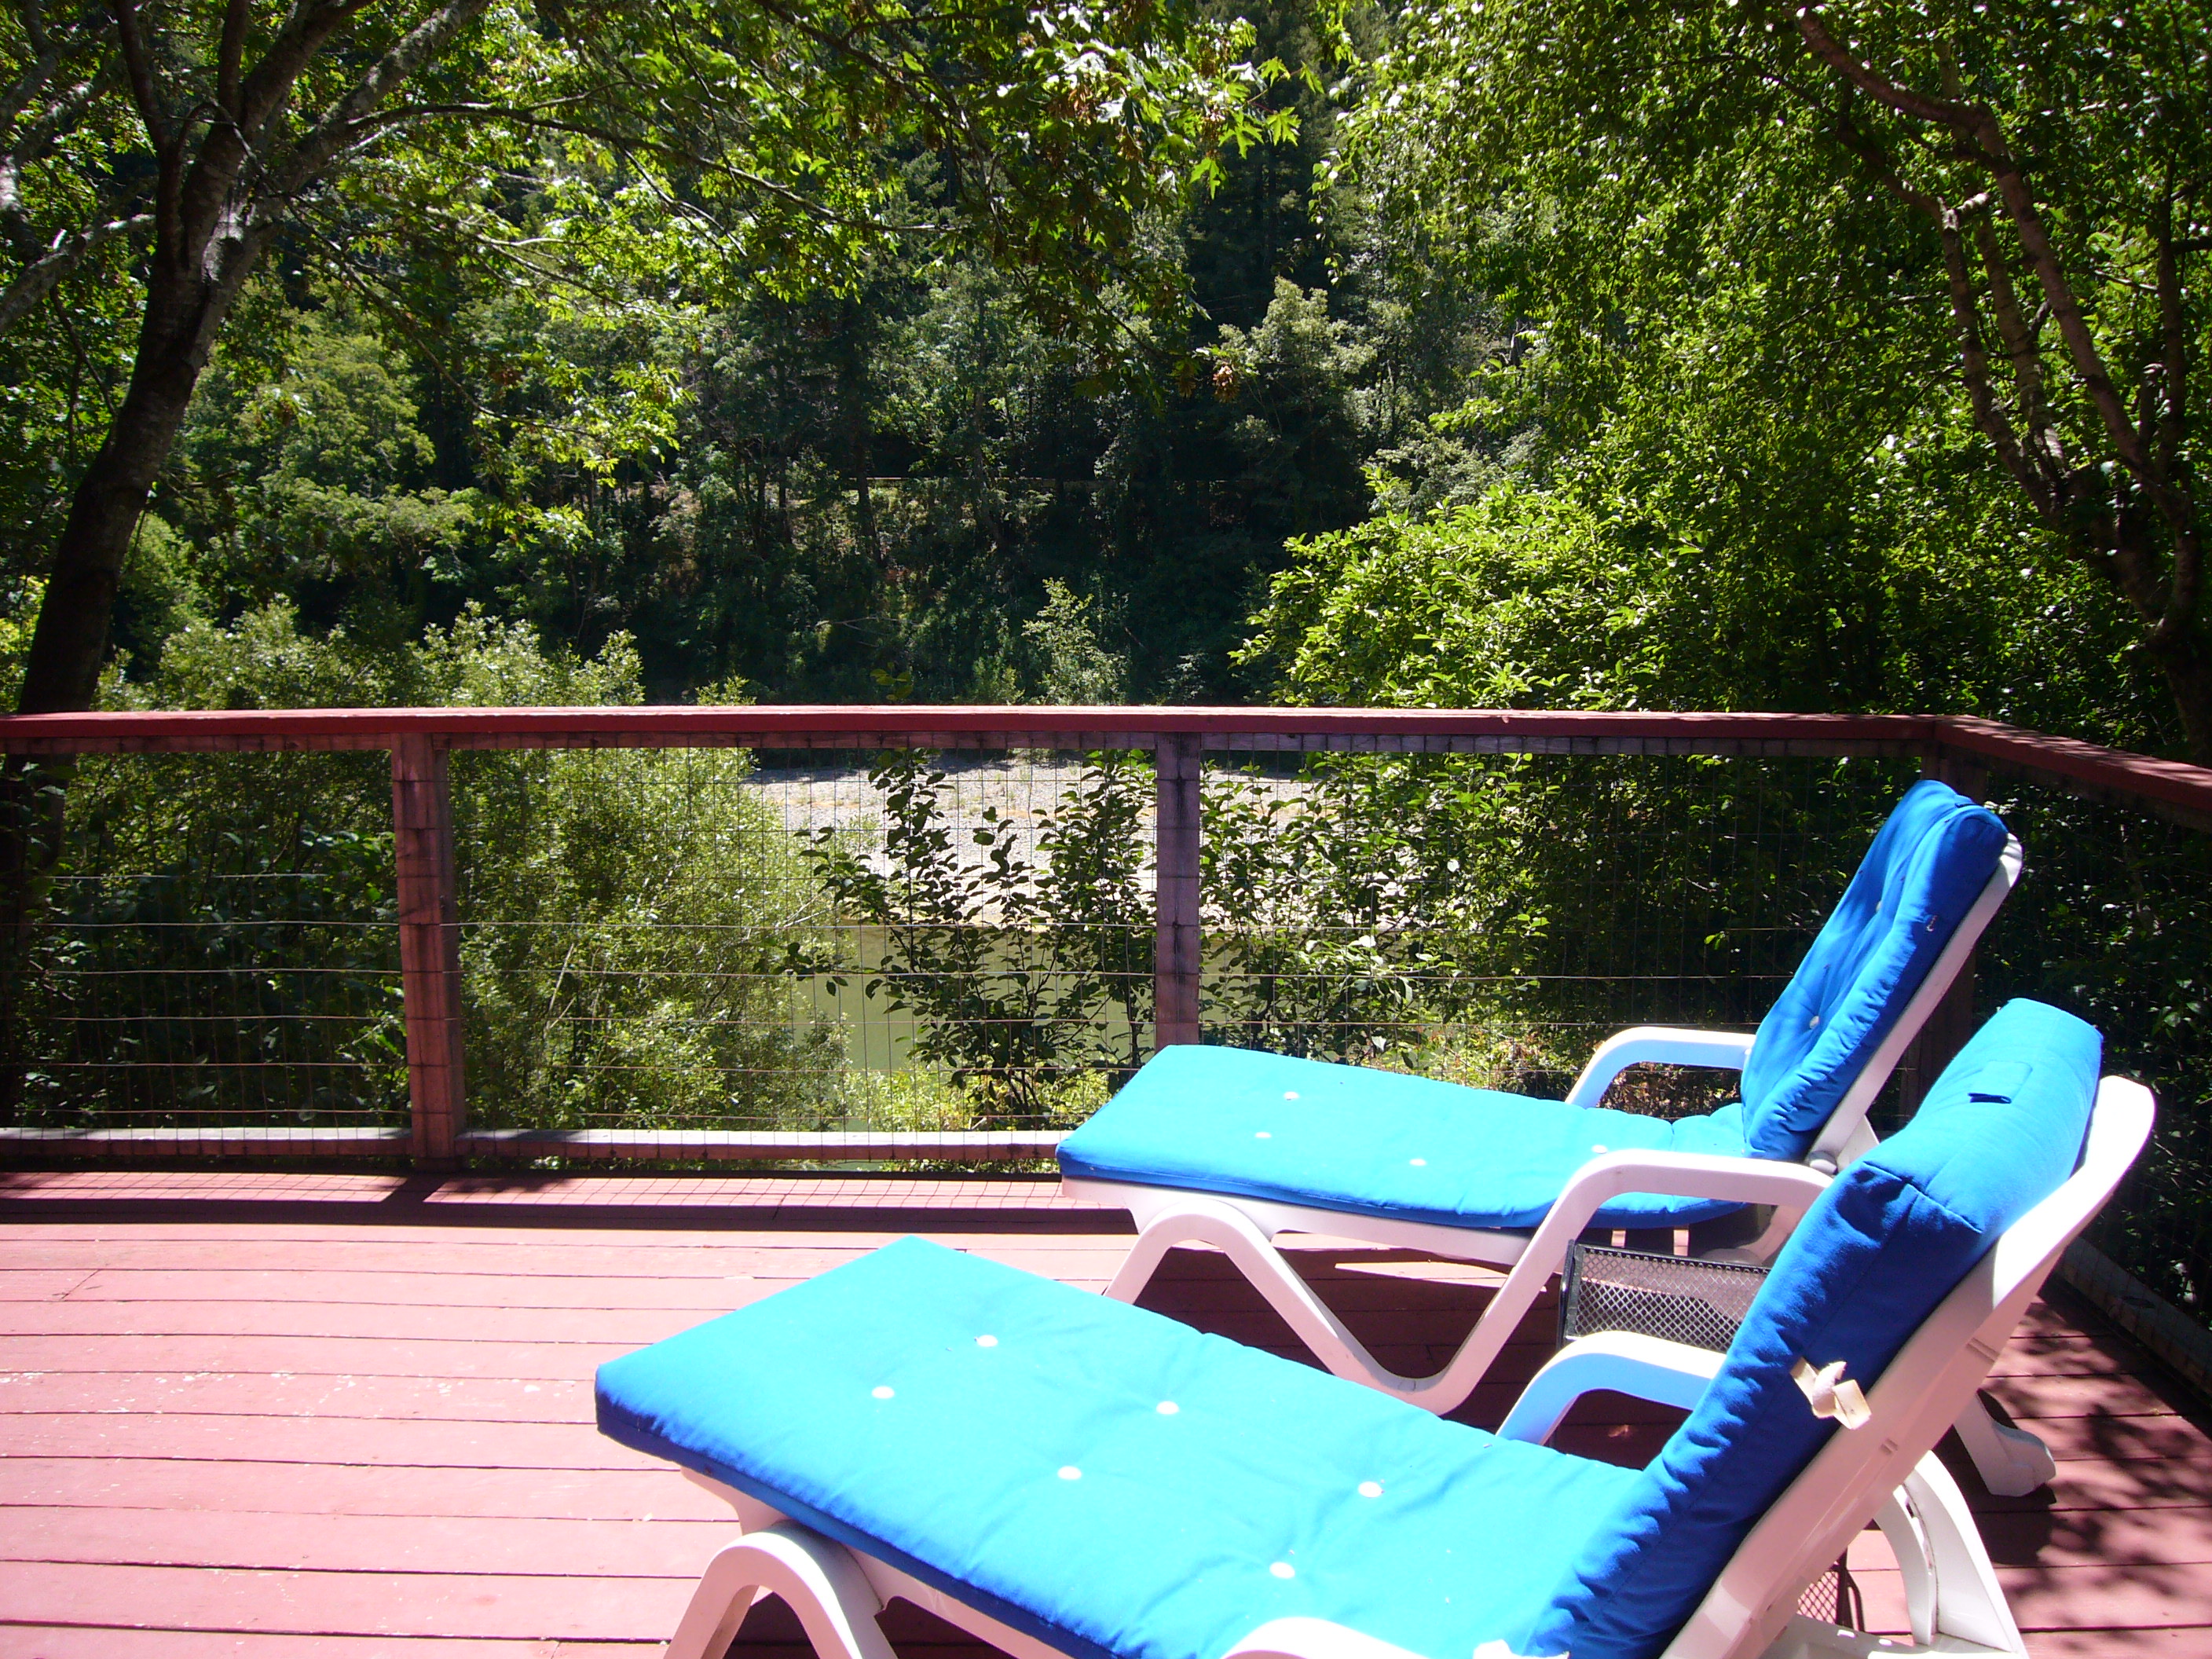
(1231, 1148)
(1061, 1474)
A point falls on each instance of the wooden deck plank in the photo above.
(375, 1322)
(2124, 1439)
(332, 1488)
(2079, 1356)
(2114, 1538)
(532, 1545)
(41, 1284)
(510, 1606)
(428, 1252)
(34, 1641)
(2044, 1398)
(2184, 1642)
(781, 1192)
(2101, 1485)
(409, 1444)
(386, 1399)
(265, 1414)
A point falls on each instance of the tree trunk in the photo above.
(70, 647)
(70, 644)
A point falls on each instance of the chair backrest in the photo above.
(1920, 882)
(1920, 1397)
(1881, 1250)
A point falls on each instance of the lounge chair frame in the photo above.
(1884, 1472)
(1245, 1229)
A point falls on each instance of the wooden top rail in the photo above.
(857, 725)
(2173, 788)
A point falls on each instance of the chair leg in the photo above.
(1205, 1221)
(1907, 1538)
(2011, 1461)
(1201, 1221)
(1970, 1605)
(820, 1580)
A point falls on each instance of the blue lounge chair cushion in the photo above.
(1375, 1143)
(1893, 1235)
(1039, 1478)
(1927, 865)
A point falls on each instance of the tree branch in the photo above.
(1974, 368)
(37, 280)
(64, 111)
(14, 224)
(1935, 112)
(28, 84)
(2173, 328)
(1965, 316)
(370, 126)
(144, 92)
(1982, 140)
(1875, 160)
(2066, 310)
(34, 24)
(205, 196)
(269, 83)
(328, 137)
(2032, 406)
(231, 56)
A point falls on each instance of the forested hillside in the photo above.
(1475, 381)
(856, 489)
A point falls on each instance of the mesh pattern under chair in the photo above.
(1684, 1299)
(1833, 1598)
(1680, 1298)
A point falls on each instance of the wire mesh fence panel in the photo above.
(217, 950)
(2111, 922)
(681, 940)
(1490, 919)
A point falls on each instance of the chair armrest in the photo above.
(1680, 1175)
(1789, 1188)
(1621, 1362)
(1660, 1045)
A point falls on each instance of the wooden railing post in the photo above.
(429, 946)
(1176, 861)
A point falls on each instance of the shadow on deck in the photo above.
(258, 1414)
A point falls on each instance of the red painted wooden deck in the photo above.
(260, 1414)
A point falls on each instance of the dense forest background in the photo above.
(1373, 454)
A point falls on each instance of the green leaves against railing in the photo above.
(1024, 951)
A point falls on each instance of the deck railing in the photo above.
(1180, 741)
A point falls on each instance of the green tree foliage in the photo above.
(1816, 286)
(1026, 956)
(1077, 669)
(631, 920)
(315, 480)
(830, 498)
(626, 154)
(1534, 599)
